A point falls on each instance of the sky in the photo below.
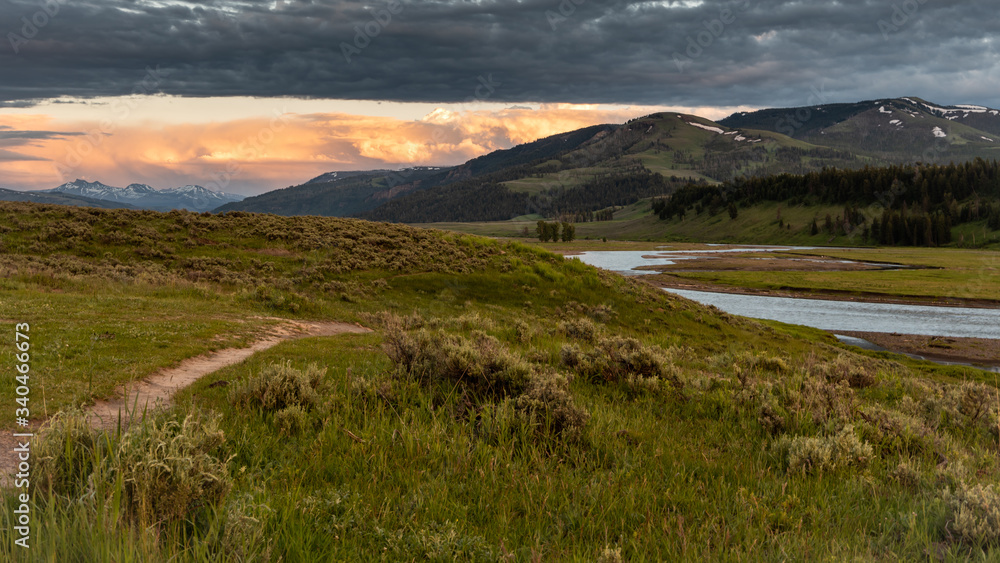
(249, 96)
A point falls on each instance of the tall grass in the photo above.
(501, 411)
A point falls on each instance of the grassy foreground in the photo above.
(510, 405)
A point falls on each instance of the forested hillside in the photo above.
(492, 200)
(341, 194)
(894, 205)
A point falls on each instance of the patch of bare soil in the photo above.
(979, 351)
(156, 391)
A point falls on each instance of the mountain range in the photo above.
(590, 169)
(595, 167)
(137, 196)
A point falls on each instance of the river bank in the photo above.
(667, 281)
(975, 351)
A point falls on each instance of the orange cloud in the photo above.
(254, 155)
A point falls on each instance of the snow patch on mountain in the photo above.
(191, 197)
(705, 127)
(939, 133)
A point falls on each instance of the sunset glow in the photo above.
(269, 144)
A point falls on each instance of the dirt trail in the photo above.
(156, 391)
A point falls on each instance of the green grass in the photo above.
(84, 344)
(390, 466)
(961, 274)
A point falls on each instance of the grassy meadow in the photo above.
(509, 406)
(762, 223)
(938, 274)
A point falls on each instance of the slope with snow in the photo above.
(193, 198)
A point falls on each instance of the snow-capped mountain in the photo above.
(194, 198)
(97, 190)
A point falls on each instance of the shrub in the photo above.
(500, 384)
(753, 364)
(827, 401)
(292, 420)
(852, 369)
(473, 321)
(67, 454)
(169, 471)
(620, 359)
(765, 400)
(280, 386)
(818, 454)
(974, 513)
(580, 329)
(547, 401)
(610, 555)
(523, 332)
(894, 432)
(970, 405)
(907, 474)
(244, 537)
(481, 364)
(973, 402)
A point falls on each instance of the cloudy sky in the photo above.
(271, 93)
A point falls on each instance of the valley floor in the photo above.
(947, 278)
(508, 404)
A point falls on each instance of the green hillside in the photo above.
(341, 194)
(656, 154)
(645, 157)
(589, 169)
(509, 405)
(890, 131)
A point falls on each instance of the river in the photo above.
(818, 313)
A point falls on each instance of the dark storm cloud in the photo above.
(11, 156)
(7, 134)
(11, 138)
(683, 52)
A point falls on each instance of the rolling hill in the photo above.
(892, 131)
(577, 173)
(340, 194)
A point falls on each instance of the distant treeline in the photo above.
(894, 205)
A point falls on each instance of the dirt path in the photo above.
(156, 391)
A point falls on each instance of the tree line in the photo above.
(556, 230)
(894, 205)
